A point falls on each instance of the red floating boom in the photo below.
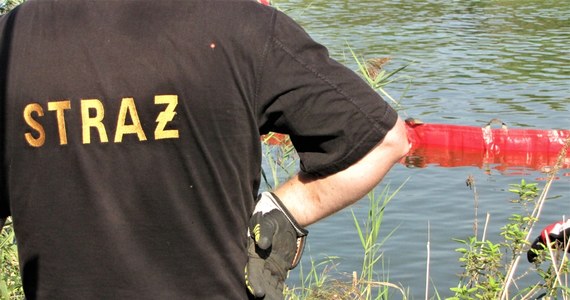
(487, 139)
(456, 145)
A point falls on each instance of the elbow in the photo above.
(397, 139)
(404, 145)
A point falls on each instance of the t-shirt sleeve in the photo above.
(332, 116)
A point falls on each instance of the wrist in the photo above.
(276, 202)
(269, 204)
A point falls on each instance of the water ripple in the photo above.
(505, 56)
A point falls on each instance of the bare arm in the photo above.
(310, 199)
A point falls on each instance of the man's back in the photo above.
(131, 154)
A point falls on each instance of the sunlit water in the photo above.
(470, 61)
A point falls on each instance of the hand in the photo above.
(275, 247)
(558, 233)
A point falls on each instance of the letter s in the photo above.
(28, 110)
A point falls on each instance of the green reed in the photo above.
(10, 282)
(8, 5)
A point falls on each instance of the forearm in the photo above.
(310, 199)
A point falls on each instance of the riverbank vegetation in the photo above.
(7, 5)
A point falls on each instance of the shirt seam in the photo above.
(264, 55)
(322, 77)
(378, 131)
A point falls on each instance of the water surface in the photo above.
(469, 62)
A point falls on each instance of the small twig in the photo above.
(354, 280)
(553, 258)
(470, 182)
(531, 293)
(484, 237)
(566, 249)
(371, 284)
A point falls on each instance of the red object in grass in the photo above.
(276, 139)
(265, 2)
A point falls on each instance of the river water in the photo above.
(469, 62)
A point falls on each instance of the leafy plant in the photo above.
(482, 263)
(10, 282)
(8, 5)
(527, 193)
(488, 267)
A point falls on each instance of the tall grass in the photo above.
(10, 282)
(369, 283)
(369, 235)
(7, 5)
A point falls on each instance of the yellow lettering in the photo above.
(59, 108)
(166, 116)
(96, 121)
(128, 105)
(28, 110)
(92, 118)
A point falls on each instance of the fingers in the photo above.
(254, 278)
(263, 230)
(262, 283)
(274, 290)
(263, 280)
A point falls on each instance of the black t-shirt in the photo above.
(130, 138)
